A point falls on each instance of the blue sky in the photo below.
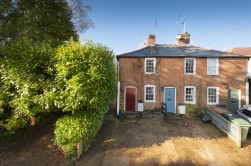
(216, 24)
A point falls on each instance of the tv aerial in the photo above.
(178, 22)
(184, 25)
(183, 22)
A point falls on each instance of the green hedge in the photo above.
(36, 79)
(71, 129)
(86, 77)
(86, 84)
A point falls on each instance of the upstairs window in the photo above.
(212, 66)
(212, 95)
(190, 94)
(150, 64)
(190, 66)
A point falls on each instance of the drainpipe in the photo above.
(118, 88)
(247, 92)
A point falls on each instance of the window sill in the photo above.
(212, 74)
(149, 73)
(190, 74)
(212, 103)
(149, 101)
(189, 103)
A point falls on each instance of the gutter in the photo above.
(154, 56)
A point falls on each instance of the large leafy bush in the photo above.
(85, 77)
(36, 79)
(26, 73)
(86, 82)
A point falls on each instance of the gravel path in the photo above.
(152, 141)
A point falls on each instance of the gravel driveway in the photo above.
(152, 141)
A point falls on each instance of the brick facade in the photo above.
(170, 73)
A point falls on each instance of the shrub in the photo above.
(70, 129)
(36, 78)
(85, 85)
(194, 110)
(86, 77)
(25, 75)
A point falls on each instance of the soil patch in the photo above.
(34, 146)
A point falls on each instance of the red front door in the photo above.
(130, 99)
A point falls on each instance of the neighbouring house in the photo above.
(245, 51)
(181, 73)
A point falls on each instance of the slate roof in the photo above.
(178, 51)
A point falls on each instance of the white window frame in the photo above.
(249, 65)
(149, 101)
(216, 66)
(217, 95)
(194, 66)
(194, 96)
(154, 65)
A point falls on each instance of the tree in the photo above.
(7, 11)
(40, 20)
(80, 10)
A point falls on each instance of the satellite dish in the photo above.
(178, 37)
(143, 43)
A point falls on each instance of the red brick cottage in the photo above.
(181, 73)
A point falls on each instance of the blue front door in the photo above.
(170, 99)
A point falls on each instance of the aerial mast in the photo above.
(178, 22)
(184, 25)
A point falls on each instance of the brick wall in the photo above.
(170, 73)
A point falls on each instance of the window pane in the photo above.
(212, 95)
(212, 92)
(190, 95)
(212, 66)
(150, 65)
(189, 65)
(212, 70)
(149, 93)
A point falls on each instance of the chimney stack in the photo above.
(151, 40)
(183, 39)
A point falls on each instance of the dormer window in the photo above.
(150, 64)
